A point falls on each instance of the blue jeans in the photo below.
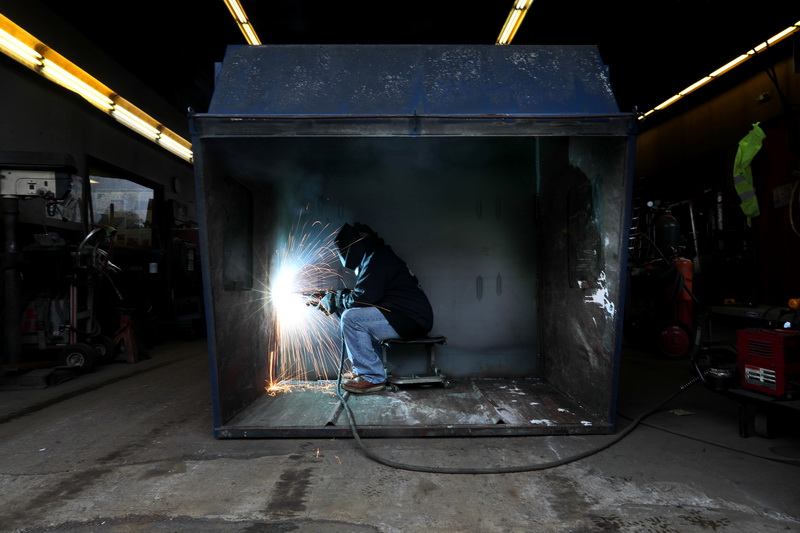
(363, 328)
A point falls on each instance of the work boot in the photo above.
(362, 386)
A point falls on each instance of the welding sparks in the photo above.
(306, 341)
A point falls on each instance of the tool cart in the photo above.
(49, 285)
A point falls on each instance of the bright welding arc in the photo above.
(305, 340)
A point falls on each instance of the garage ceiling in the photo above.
(653, 48)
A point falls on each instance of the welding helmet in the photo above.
(352, 244)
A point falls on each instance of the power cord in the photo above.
(494, 469)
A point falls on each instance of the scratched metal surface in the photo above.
(363, 80)
(474, 407)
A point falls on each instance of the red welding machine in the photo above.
(769, 360)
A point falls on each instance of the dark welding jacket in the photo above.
(385, 281)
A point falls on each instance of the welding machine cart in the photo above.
(769, 378)
(760, 371)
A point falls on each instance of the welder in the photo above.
(385, 302)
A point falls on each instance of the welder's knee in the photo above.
(360, 319)
(349, 320)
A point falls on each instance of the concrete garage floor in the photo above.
(130, 448)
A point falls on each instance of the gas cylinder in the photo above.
(675, 338)
(683, 298)
(667, 232)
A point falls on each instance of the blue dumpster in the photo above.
(501, 174)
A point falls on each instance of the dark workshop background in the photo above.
(164, 60)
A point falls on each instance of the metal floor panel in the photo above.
(477, 407)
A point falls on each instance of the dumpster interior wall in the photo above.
(583, 265)
(240, 313)
(513, 276)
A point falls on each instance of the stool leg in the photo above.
(384, 349)
(434, 375)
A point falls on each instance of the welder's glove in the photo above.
(340, 298)
(332, 301)
(327, 304)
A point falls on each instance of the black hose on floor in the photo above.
(493, 469)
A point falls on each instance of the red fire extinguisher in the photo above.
(683, 291)
(675, 337)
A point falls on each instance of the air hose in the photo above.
(493, 469)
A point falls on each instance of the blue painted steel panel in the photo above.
(408, 80)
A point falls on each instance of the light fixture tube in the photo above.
(236, 9)
(508, 29)
(250, 33)
(671, 100)
(135, 123)
(70, 81)
(15, 48)
(23, 47)
(794, 28)
(696, 85)
(785, 33)
(729, 65)
(513, 21)
(175, 147)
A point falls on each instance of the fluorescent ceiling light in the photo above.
(696, 85)
(135, 123)
(515, 17)
(20, 51)
(174, 146)
(236, 9)
(72, 82)
(250, 33)
(730, 65)
(672, 100)
(23, 47)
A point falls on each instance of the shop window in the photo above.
(125, 205)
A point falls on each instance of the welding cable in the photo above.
(788, 461)
(494, 469)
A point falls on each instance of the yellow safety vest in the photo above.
(743, 174)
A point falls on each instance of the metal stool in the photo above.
(434, 377)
